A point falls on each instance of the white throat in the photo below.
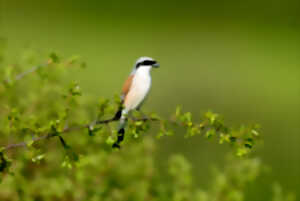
(143, 70)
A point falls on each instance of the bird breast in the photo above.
(139, 89)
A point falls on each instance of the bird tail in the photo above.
(120, 139)
(121, 114)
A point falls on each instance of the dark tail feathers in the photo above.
(121, 133)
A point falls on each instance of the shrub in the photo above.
(56, 144)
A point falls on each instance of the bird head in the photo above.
(146, 62)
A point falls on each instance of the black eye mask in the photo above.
(146, 63)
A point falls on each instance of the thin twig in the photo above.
(29, 71)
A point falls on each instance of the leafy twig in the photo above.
(29, 71)
(68, 130)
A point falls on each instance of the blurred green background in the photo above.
(237, 58)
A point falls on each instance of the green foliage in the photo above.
(242, 139)
(57, 144)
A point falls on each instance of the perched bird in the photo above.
(134, 92)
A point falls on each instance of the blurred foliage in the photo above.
(53, 149)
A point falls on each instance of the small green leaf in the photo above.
(54, 57)
(29, 143)
(248, 145)
(67, 163)
(254, 132)
(160, 134)
(154, 116)
(209, 133)
(75, 89)
(139, 123)
(110, 140)
(38, 158)
(242, 151)
(73, 59)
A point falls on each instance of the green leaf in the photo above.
(54, 57)
(67, 163)
(255, 132)
(110, 141)
(224, 138)
(139, 123)
(29, 142)
(73, 59)
(38, 158)
(160, 134)
(75, 89)
(242, 151)
(155, 116)
(210, 133)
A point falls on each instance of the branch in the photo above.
(29, 71)
(70, 129)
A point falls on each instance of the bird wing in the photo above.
(125, 90)
(127, 86)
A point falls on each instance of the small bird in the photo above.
(134, 92)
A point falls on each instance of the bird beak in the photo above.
(156, 65)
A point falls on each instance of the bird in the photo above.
(134, 92)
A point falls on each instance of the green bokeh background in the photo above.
(237, 58)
